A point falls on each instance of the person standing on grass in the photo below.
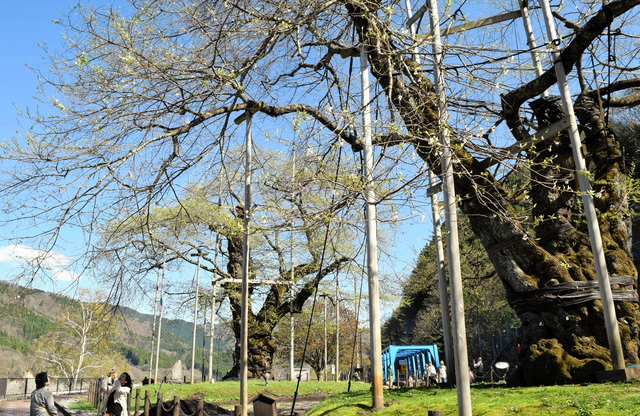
(479, 369)
(432, 376)
(116, 402)
(442, 372)
(42, 403)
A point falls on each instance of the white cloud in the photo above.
(53, 262)
(65, 275)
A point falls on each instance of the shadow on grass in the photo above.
(351, 406)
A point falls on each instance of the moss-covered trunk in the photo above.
(261, 346)
(561, 342)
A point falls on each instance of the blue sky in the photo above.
(26, 24)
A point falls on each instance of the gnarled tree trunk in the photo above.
(561, 342)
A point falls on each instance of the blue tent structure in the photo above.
(415, 355)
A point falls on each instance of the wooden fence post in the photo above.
(176, 405)
(137, 408)
(147, 402)
(200, 409)
(159, 404)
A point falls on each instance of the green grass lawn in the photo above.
(611, 399)
(223, 391)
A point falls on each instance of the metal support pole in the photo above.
(437, 237)
(195, 318)
(531, 40)
(244, 320)
(212, 331)
(164, 263)
(291, 288)
(204, 338)
(153, 332)
(337, 329)
(215, 286)
(453, 254)
(326, 365)
(372, 248)
(608, 308)
(442, 282)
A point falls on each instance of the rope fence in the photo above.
(173, 408)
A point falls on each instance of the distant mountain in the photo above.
(28, 314)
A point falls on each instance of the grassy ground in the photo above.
(611, 399)
(615, 399)
(224, 391)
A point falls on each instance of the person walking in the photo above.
(42, 403)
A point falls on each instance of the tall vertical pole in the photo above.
(244, 320)
(437, 237)
(204, 338)
(326, 365)
(153, 332)
(212, 331)
(291, 288)
(608, 308)
(377, 397)
(215, 284)
(453, 254)
(531, 40)
(337, 328)
(442, 283)
(164, 263)
(195, 320)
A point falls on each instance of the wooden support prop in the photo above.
(257, 281)
(526, 144)
(147, 402)
(237, 411)
(418, 14)
(137, 408)
(200, 408)
(159, 404)
(434, 413)
(176, 405)
(482, 22)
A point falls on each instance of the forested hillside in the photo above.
(29, 316)
(418, 319)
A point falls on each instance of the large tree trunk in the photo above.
(261, 346)
(561, 342)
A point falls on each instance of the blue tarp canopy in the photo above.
(415, 355)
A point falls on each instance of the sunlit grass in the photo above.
(592, 400)
(224, 391)
(610, 399)
(82, 405)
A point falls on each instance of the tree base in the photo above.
(619, 375)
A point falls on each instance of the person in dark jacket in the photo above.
(42, 403)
